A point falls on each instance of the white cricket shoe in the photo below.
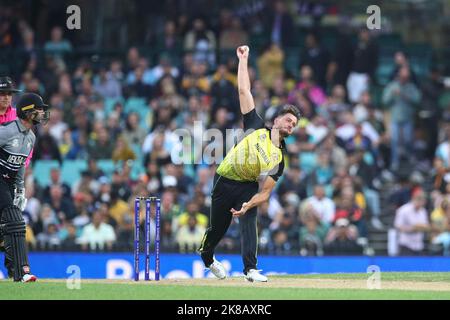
(29, 278)
(218, 269)
(253, 275)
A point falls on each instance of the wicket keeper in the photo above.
(16, 143)
(235, 191)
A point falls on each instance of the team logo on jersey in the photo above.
(15, 143)
(275, 157)
(262, 137)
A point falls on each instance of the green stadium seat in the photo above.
(135, 104)
(107, 166)
(41, 171)
(308, 161)
(71, 171)
(292, 61)
(109, 104)
(384, 70)
(137, 170)
(444, 100)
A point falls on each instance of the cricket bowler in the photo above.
(235, 190)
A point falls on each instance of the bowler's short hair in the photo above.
(289, 108)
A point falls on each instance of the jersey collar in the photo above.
(21, 126)
(282, 144)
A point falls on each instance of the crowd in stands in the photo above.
(348, 146)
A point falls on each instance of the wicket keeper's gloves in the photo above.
(19, 199)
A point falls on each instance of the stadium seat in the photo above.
(135, 104)
(308, 161)
(71, 171)
(137, 170)
(41, 171)
(107, 166)
(384, 70)
(109, 104)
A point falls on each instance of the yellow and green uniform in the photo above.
(254, 155)
(235, 182)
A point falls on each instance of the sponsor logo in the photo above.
(275, 157)
(17, 160)
(262, 153)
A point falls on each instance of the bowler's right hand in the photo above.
(243, 52)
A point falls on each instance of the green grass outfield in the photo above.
(413, 285)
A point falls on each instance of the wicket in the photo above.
(148, 202)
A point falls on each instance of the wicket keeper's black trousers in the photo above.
(227, 194)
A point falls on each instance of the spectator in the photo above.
(411, 222)
(49, 239)
(107, 85)
(55, 180)
(341, 58)
(401, 60)
(139, 88)
(341, 239)
(134, 134)
(234, 36)
(432, 89)
(69, 238)
(322, 174)
(195, 81)
(120, 209)
(322, 207)
(317, 57)
(364, 65)
(308, 85)
(97, 234)
(279, 24)
(337, 154)
(125, 234)
(401, 97)
(440, 226)
(294, 181)
(335, 104)
(62, 206)
(164, 69)
(190, 235)
(201, 41)
(312, 235)
(363, 167)
(46, 147)
(270, 64)
(122, 151)
(224, 93)
(169, 41)
(347, 208)
(57, 46)
(192, 210)
(102, 148)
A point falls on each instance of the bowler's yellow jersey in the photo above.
(254, 155)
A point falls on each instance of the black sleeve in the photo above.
(252, 120)
(275, 176)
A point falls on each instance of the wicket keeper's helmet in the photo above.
(28, 105)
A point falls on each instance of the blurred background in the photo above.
(368, 168)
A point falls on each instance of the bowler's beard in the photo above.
(283, 133)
